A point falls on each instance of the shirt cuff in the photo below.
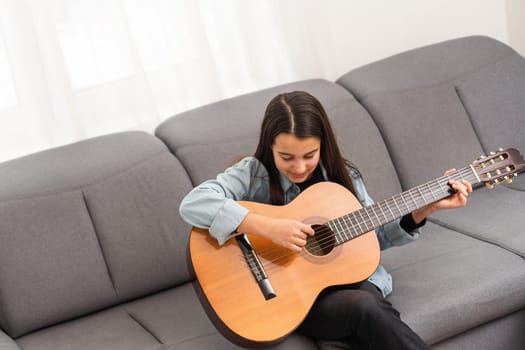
(408, 224)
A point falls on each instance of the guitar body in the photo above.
(231, 290)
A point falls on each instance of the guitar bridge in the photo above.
(256, 267)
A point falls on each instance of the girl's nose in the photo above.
(300, 166)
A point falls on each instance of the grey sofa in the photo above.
(93, 254)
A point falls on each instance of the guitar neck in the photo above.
(368, 218)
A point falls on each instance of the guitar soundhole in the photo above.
(322, 243)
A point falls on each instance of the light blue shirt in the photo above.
(213, 206)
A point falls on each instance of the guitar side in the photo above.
(297, 278)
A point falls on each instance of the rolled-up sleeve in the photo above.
(212, 205)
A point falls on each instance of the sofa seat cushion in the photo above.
(177, 318)
(172, 319)
(495, 216)
(113, 329)
(446, 283)
(502, 334)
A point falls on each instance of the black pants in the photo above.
(360, 315)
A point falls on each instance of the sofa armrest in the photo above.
(6, 343)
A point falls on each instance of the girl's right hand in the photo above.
(290, 234)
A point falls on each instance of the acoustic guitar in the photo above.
(257, 292)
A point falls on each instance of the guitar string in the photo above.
(428, 189)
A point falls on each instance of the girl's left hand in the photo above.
(458, 199)
(455, 200)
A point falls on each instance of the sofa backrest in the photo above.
(86, 226)
(443, 105)
(210, 138)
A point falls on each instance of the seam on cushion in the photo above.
(478, 237)
(143, 326)
(385, 142)
(79, 187)
(100, 245)
(202, 336)
(469, 116)
(464, 74)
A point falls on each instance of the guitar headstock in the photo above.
(498, 166)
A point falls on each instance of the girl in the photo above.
(296, 149)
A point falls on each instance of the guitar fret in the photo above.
(390, 209)
(441, 187)
(382, 212)
(432, 192)
(346, 229)
(373, 211)
(398, 209)
(413, 199)
(422, 195)
(357, 227)
(340, 225)
(405, 202)
(362, 219)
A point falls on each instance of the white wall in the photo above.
(353, 33)
(516, 24)
(74, 69)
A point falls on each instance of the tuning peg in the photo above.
(489, 185)
(508, 179)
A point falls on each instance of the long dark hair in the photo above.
(302, 115)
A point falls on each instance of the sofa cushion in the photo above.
(173, 319)
(427, 131)
(502, 334)
(494, 97)
(424, 66)
(113, 329)
(209, 139)
(495, 216)
(135, 214)
(51, 266)
(446, 283)
(176, 317)
(7, 343)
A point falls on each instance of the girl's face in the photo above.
(296, 158)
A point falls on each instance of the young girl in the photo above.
(296, 149)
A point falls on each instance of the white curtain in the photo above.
(73, 69)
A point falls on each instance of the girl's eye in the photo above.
(309, 156)
(287, 159)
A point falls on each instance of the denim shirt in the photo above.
(213, 206)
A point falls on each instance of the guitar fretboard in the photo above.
(368, 218)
